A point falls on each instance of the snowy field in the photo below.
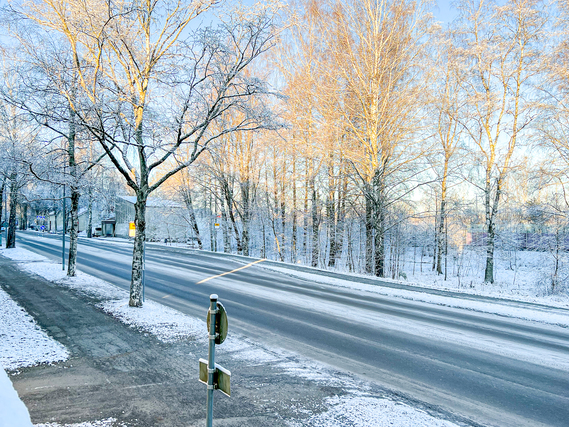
(356, 408)
(520, 275)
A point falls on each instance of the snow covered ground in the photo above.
(504, 308)
(13, 412)
(519, 275)
(22, 342)
(356, 408)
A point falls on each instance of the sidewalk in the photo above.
(117, 372)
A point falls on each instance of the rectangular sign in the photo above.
(221, 378)
(203, 371)
(131, 230)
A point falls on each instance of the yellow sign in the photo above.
(131, 230)
(131, 226)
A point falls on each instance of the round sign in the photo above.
(221, 323)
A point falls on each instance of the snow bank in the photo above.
(364, 411)
(165, 323)
(82, 282)
(503, 308)
(14, 412)
(109, 422)
(22, 342)
(18, 254)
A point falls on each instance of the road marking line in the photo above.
(232, 271)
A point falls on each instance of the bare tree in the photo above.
(501, 56)
(447, 103)
(155, 87)
(379, 49)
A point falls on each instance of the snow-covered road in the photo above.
(496, 363)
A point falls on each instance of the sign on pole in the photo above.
(210, 373)
(221, 377)
(131, 229)
(220, 323)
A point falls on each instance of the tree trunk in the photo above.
(224, 222)
(341, 216)
(315, 226)
(72, 262)
(246, 216)
(138, 250)
(293, 243)
(491, 209)
(331, 214)
(90, 213)
(440, 233)
(227, 192)
(2, 199)
(435, 236)
(212, 229)
(369, 233)
(379, 223)
(264, 243)
(283, 219)
(489, 271)
(11, 238)
(24, 211)
(192, 216)
(379, 243)
(305, 219)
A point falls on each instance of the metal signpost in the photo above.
(63, 238)
(211, 374)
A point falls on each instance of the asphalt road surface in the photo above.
(490, 369)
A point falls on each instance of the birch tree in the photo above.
(554, 124)
(378, 49)
(155, 86)
(501, 54)
(17, 139)
(447, 107)
(48, 94)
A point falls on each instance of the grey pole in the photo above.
(211, 359)
(143, 266)
(63, 238)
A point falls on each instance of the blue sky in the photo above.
(444, 12)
